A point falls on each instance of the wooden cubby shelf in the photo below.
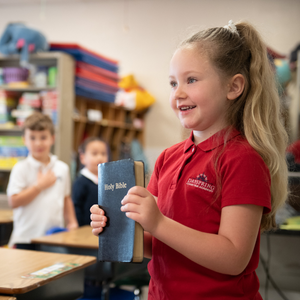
(115, 127)
(64, 88)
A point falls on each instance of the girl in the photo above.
(211, 195)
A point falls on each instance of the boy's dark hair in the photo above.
(88, 140)
(38, 121)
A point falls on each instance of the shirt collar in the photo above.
(89, 175)
(37, 164)
(214, 141)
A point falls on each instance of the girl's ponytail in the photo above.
(262, 119)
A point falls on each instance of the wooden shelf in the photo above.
(5, 170)
(65, 99)
(15, 129)
(26, 89)
(116, 126)
(107, 123)
(65, 102)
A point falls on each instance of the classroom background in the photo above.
(135, 40)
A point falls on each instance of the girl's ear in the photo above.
(236, 86)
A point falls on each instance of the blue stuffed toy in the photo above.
(19, 39)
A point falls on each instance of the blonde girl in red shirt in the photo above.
(223, 89)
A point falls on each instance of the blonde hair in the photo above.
(38, 121)
(256, 113)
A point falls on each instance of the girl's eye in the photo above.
(191, 80)
(172, 83)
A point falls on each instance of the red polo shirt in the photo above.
(184, 180)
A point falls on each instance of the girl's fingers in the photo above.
(95, 209)
(96, 224)
(132, 207)
(98, 218)
(139, 190)
(97, 231)
(131, 198)
(133, 216)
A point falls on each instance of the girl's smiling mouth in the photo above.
(185, 108)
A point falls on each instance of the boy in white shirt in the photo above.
(39, 186)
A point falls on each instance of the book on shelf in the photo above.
(12, 150)
(122, 239)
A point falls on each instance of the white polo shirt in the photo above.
(46, 210)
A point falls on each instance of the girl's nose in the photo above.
(179, 92)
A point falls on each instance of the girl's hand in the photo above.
(140, 205)
(98, 219)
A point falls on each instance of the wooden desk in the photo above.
(6, 225)
(79, 241)
(81, 237)
(82, 241)
(7, 298)
(15, 264)
(6, 216)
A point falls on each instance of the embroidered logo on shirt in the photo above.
(201, 182)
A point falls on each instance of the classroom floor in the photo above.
(121, 293)
(273, 295)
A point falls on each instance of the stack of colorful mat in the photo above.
(96, 75)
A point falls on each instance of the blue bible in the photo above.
(122, 238)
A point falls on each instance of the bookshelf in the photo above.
(118, 125)
(64, 88)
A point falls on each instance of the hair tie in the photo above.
(231, 27)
